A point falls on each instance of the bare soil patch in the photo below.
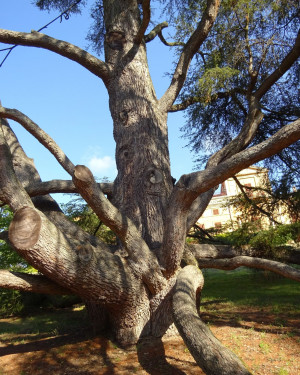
(268, 344)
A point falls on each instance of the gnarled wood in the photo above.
(207, 351)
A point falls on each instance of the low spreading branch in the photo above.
(68, 50)
(244, 261)
(40, 135)
(66, 260)
(208, 352)
(219, 251)
(30, 283)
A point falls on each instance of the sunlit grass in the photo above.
(254, 288)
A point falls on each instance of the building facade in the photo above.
(218, 214)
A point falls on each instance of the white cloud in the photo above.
(102, 165)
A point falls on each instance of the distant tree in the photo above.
(231, 69)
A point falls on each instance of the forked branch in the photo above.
(188, 52)
(208, 352)
(141, 258)
(191, 186)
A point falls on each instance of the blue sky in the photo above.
(67, 101)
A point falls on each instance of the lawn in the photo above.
(255, 314)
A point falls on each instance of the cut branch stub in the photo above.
(153, 178)
(85, 252)
(83, 173)
(25, 229)
(115, 39)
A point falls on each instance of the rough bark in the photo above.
(30, 283)
(208, 352)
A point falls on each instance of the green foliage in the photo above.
(240, 236)
(268, 240)
(215, 79)
(80, 213)
(10, 302)
(247, 43)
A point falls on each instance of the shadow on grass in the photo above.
(247, 317)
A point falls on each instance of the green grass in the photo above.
(46, 323)
(254, 288)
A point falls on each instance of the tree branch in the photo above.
(189, 50)
(155, 31)
(208, 352)
(30, 283)
(244, 261)
(169, 44)
(62, 186)
(145, 22)
(142, 259)
(200, 251)
(40, 135)
(285, 65)
(84, 269)
(26, 172)
(11, 191)
(72, 52)
(193, 184)
(190, 186)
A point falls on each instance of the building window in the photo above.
(218, 225)
(215, 211)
